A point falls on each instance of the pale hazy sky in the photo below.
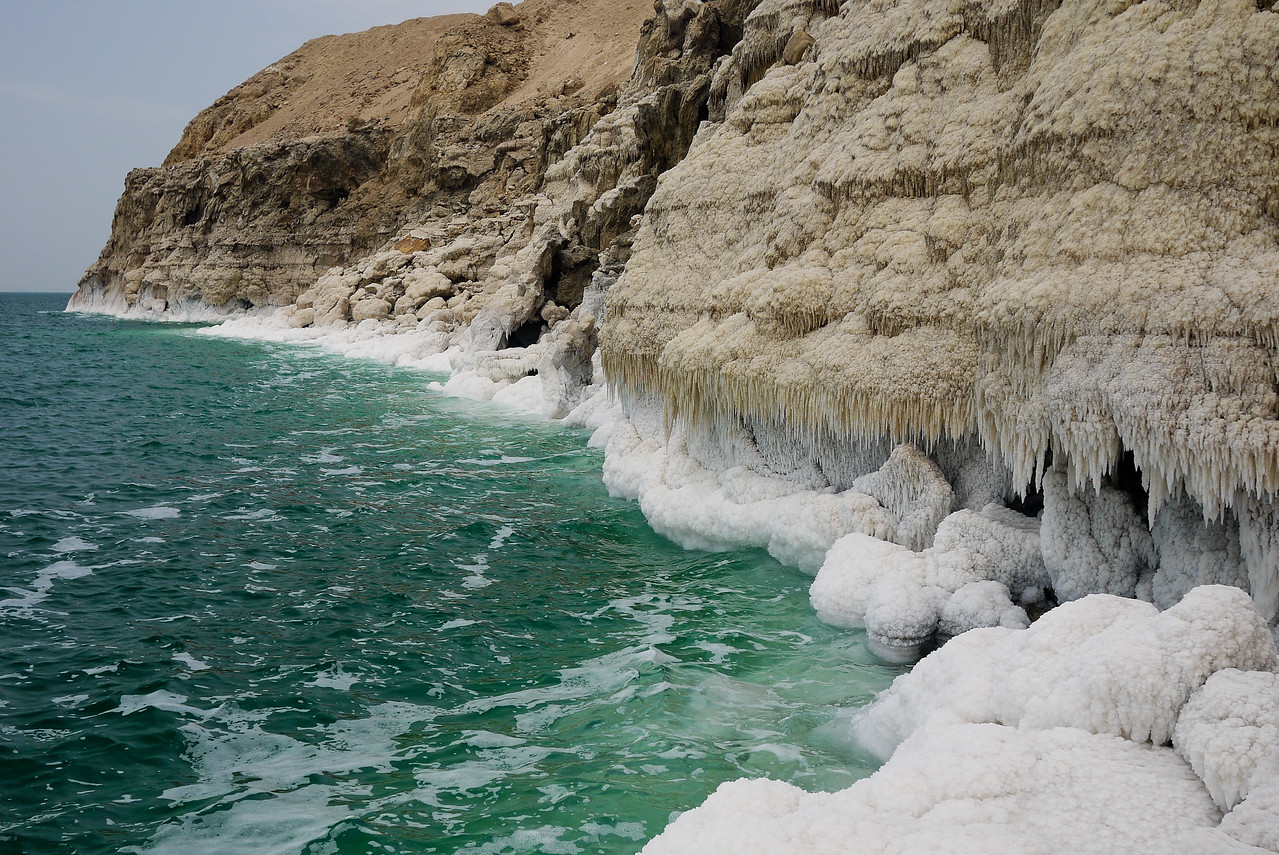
(92, 88)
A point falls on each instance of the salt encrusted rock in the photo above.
(976, 788)
(302, 318)
(911, 486)
(1104, 664)
(699, 508)
(977, 605)
(799, 42)
(423, 284)
(371, 308)
(1229, 733)
(978, 222)
(1190, 552)
(997, 551)
(1093, 542)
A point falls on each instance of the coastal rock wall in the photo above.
(1047, 230)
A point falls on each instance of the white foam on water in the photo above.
(158, 512)
(71, 700)
(74, 544)
(259, 565)
(150, 540)
(326, 455)
(457, 624)
(545, 839)
(161, 699)
(335, 678)
(271, 793)
(719, 652)
(494, 461)
(500, 538)
(190, 661)
(26, 599)
(477, 579)
(349, 470)
(626, 830)
(262, 514)
(418, 349)
(488, 739)
(282, 825)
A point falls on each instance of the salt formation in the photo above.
(983, 567)
(966, 307)
(1049, 739)
(1047, 231)
(1229, 733)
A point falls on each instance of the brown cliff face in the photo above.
(319, 158)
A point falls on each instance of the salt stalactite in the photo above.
(1048, 739)
(912, 487)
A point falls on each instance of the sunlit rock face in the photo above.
(1051, 229)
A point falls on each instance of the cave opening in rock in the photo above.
(526, 334)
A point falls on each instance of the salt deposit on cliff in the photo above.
(1037, 242)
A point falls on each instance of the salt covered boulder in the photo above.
(1103, 664)
(370, 308)
(977, 605)
(1047, 739)
(1229, 733)
(976, 788)
(993, 557)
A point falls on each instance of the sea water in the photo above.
(256, 598)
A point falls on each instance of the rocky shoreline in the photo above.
(968, 310)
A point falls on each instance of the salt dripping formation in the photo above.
(1034, 245)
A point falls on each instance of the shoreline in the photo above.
(1175, 810)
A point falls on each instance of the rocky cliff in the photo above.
(328, 153)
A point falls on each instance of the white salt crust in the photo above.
(1048, 739)
(1043, 226)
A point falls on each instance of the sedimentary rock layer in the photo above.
(325, 155)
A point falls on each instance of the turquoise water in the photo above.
(259, 599)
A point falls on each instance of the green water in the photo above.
(258, 599)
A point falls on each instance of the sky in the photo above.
(90, 89)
